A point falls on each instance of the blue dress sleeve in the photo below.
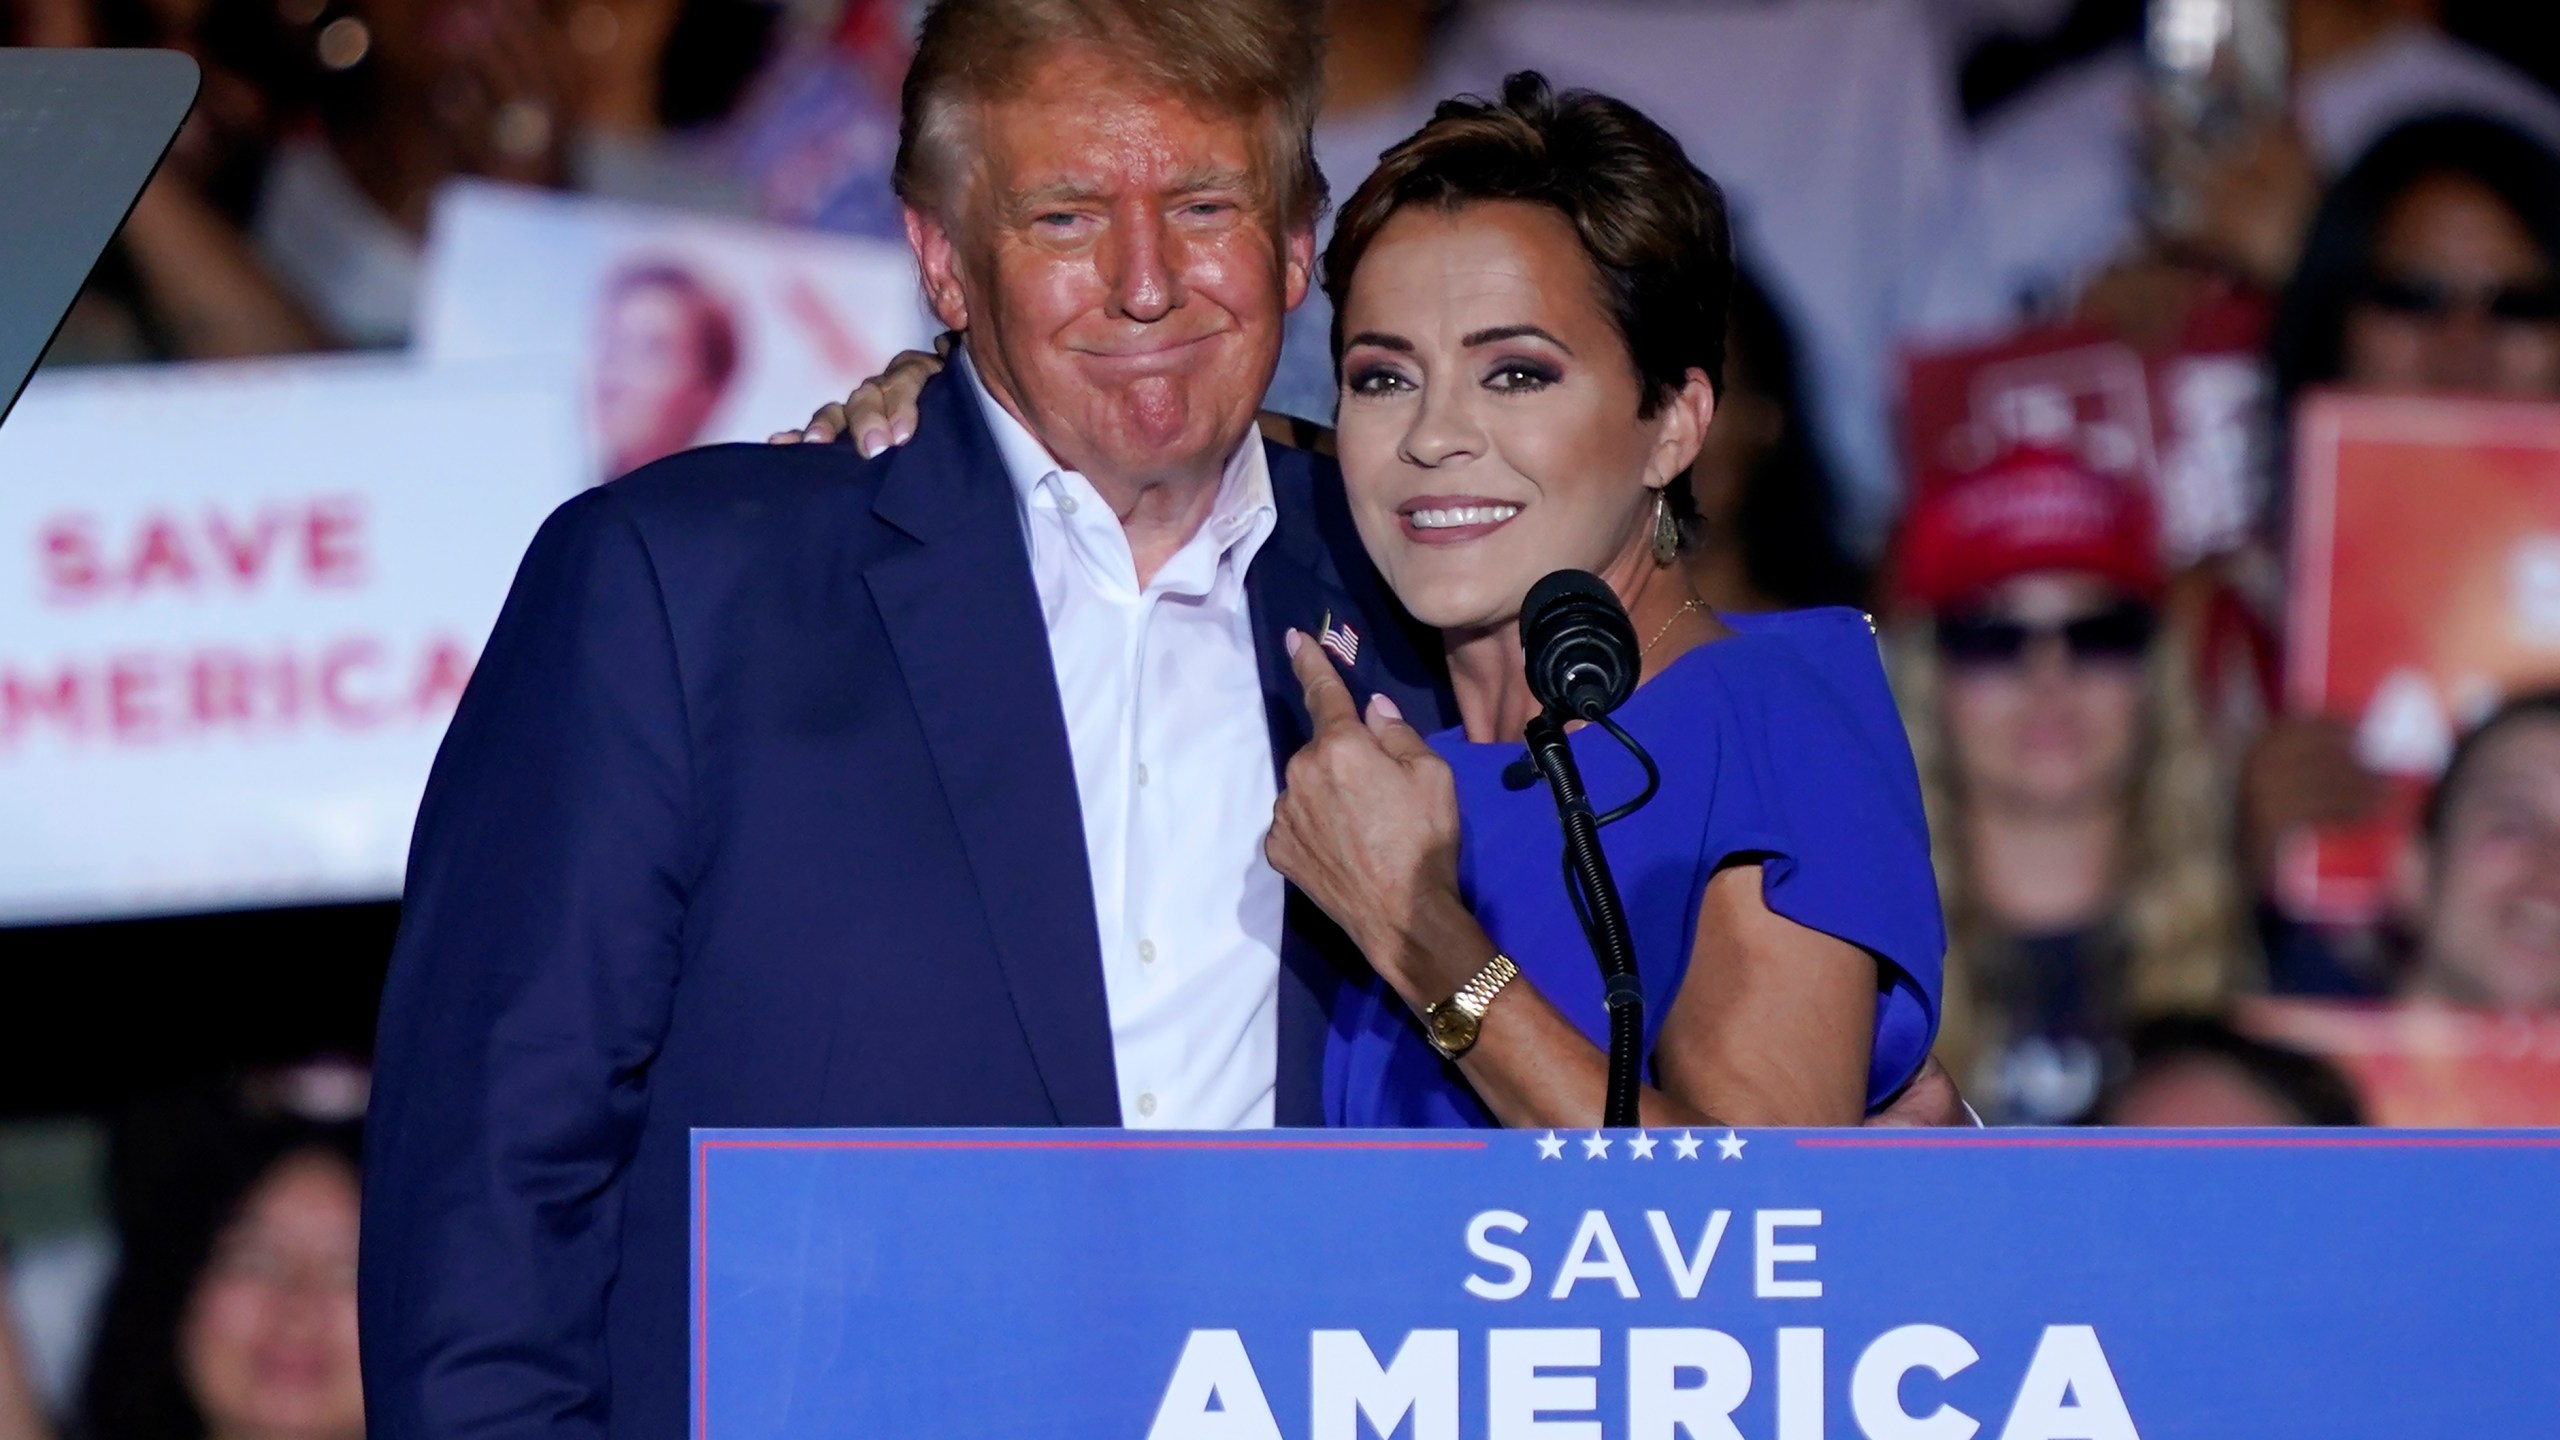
(1817, 782)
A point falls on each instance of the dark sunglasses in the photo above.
(2420, 298)
(2118, 635)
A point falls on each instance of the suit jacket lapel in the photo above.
(964, 619)
(1299, 581)
(1294, 585)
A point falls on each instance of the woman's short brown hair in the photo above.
(1653, 224)
(1261, 58)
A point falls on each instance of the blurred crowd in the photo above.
(2112, 774)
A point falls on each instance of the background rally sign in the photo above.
(1518, 1286)
(237, 605)
(681, 330)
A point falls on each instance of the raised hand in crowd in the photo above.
(509, 90)
(201, 280)
(2252, 199)
(2300, 775)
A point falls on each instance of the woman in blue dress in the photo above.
(1530, 297)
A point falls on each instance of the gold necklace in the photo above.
(1692, 603)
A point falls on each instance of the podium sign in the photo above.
(1778, 1285)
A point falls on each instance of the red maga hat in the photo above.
(2030, 510)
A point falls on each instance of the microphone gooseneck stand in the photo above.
(1604, 920)
(1582, 661)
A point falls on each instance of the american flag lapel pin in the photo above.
(1341, 641)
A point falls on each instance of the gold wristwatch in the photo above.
(1454, 1023)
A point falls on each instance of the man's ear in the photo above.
(1298, 265)
(938, 263)
(1685, 418)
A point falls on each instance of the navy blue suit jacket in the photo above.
(759, 811)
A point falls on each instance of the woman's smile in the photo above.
(1453, 519)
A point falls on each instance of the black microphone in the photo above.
(1582, 653)
(1583, 662)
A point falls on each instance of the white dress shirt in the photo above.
(1164, 707)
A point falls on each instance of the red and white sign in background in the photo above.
(682, 330)
(237, 604)
(2177, 419)
(2426, 589)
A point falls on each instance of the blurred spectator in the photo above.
(658, 78)
(2481, 887)
(232, 1316)
(2189, 1071)
(291, 213)
(2433, 265)
(2078, 815)
(2052, 193)
(663, 363)
(420, 91)
(1766, 502)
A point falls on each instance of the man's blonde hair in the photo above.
(1246, 58)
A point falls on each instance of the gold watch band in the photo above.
(1453, 1024)
(1476, 996)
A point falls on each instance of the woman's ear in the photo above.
(1683, 429)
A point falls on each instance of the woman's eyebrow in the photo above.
(1380, 339)
(1500, 333)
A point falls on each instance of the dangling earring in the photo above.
(1666, 528)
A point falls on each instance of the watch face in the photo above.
(1454, 1029)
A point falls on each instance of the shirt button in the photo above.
(1142, 772)
(1066, 504)
(1147, 951)
(1147, 1104)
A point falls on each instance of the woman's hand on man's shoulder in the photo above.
(881, 411)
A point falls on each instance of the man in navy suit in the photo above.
(795, 789)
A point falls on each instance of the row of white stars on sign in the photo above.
(1684, 1146)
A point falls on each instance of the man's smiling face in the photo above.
(1120, 267)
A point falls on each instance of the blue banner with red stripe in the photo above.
(1777, 1285)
